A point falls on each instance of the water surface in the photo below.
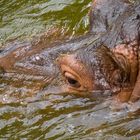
(27, 18)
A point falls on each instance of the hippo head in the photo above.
(93, 70)
(111, 63)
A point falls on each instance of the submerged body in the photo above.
(105, 59)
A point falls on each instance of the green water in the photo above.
(27, 18)
(27, 113)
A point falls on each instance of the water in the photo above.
(27, 18)
(28, 113)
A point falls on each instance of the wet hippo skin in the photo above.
(107, 58)
(112, 62)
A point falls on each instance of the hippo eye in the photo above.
(71, 80)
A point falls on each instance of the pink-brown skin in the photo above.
(130, 51)
(85, 80)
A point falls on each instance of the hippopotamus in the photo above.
(106, 58)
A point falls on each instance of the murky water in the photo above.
(27, 18)
(28, 113)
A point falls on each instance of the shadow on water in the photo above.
(28, 113)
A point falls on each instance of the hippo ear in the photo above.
(104, 13)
